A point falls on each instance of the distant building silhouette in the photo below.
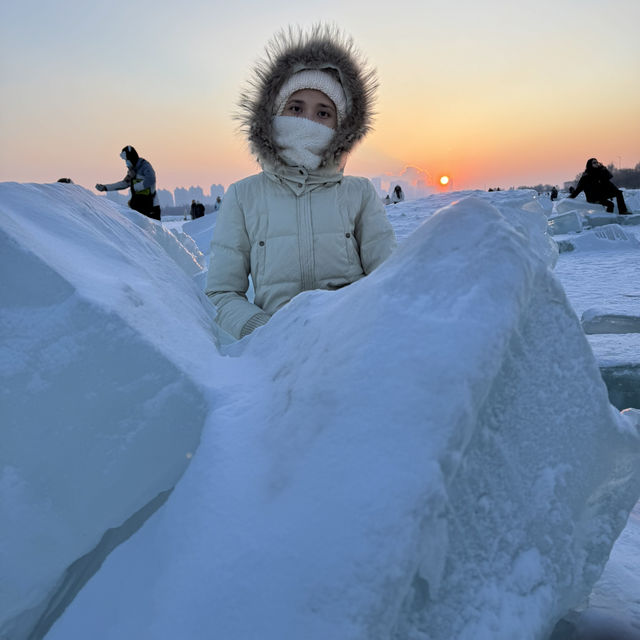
(183, 196)
(166, 198)
(215, 191)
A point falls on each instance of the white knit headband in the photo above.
(313, 79)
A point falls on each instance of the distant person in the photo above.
(216, 204)
(386, 200)
(197, 210)
(554, 194)
(598, 188)
(141, 179)
(397, 195)
(300, 224)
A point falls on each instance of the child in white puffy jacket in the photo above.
(300, 224)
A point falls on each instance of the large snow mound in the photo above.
(412, 456)
(102, 404)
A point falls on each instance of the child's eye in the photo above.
(324, 114)
(293, 107)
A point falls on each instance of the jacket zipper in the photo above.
(305, 232)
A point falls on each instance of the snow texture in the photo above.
(101, 409)
(427, 454)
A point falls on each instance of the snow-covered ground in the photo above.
(426, 454)
(600, 271)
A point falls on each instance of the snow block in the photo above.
(578, 204)
(607, 237)
(623, 385)
(601, 219)
(594, 215)
(196, 235)
(419, 462)
(99, 414)
(201, 231)
(632, 219)
(596, 321)
(569, 222)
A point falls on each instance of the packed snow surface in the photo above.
(101, 401)
(429, 453)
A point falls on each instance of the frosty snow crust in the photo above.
(408, 457)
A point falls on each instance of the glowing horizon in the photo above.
(489, 95)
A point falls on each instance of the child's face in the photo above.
(312, 105)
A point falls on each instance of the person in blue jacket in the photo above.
(141, 179)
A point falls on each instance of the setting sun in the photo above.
(444, 180)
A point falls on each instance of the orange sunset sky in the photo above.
(492, 94)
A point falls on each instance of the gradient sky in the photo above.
(498, 93)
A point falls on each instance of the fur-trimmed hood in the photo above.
(290, 51)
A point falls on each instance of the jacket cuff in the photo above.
(254, 322)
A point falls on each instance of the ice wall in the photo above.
(426, 454)
(101, 403)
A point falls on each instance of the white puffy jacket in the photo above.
(292, 233)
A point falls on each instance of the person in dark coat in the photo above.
(554, 194)
(598, 188)
(197, 210)
(141, 179)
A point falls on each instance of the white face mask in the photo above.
(301, 142)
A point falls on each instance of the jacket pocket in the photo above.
(353, 250)
(258, 260)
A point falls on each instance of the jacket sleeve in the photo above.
(374, 232)
(579, 188)
(229, 268)
(125, 183)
